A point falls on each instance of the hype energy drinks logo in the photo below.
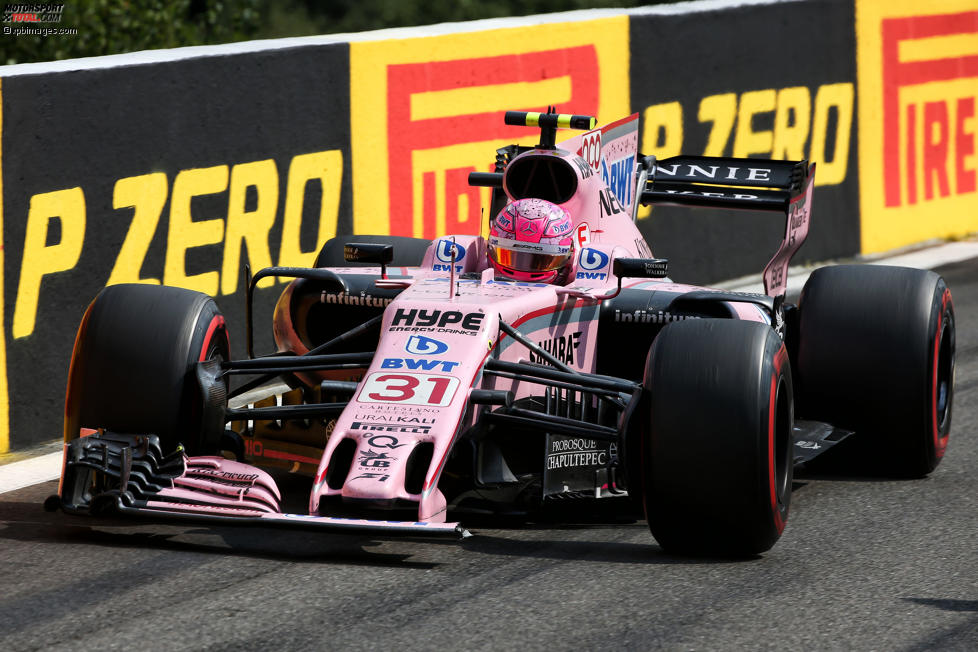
(426, 112)
(918, 120)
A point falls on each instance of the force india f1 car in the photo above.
(414, 386)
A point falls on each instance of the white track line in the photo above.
(929, 258)
(25, 473)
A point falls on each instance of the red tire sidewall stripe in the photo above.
(217, 321)
(779, 521)
(940, 443)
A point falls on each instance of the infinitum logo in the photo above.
(25, 12)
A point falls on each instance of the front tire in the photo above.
(718, 464)
(133, 366)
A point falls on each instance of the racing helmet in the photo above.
(531, 240)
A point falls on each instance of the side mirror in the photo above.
(640, 267)
(363, 252)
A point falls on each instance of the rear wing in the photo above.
(743, 183)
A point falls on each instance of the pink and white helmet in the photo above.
(530, 240)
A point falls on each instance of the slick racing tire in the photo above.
(408, 252)
(718, 461)
(133, 369)
(876, 356)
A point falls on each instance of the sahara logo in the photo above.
(561, 347)
(421, 345)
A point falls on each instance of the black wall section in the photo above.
(89, 129)
(688, 57)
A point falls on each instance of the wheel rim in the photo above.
(943, 379)
(782, 440)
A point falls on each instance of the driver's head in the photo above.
(530, 240)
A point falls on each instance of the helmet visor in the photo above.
(528, 257)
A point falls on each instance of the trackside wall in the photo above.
(771, 81)
(180, 167)
(176, 173)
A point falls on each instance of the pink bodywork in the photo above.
(438, 332)
(397, 407)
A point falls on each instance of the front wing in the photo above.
(129, 475)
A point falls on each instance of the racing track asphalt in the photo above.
(863, 564)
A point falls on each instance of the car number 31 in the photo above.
(416, 389)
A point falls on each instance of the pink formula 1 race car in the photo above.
(551, 368)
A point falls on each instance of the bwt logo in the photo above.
(436, 135)
(418, 364)
(444, 251)
(421, 345)
(620, 177)
(918, 50)
(592, 259)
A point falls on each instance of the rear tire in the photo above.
(876, 356)
(408, 252)
(718, 465)
(133, 366)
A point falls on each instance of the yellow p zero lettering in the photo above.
(147, 194)
(184, 233)
(68, 206)
(662, 135)
(747, 141)
(791, 121)
(328, 168)
(839, 96)
(249, 227)
(662, 130)
(721, 110)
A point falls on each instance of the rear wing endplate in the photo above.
(742, 183)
